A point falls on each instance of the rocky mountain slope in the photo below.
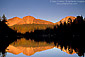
(26, 20)
(66, 19)
(32, 20)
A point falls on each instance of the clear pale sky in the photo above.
(43, 9)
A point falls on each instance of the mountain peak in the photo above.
(66, 19)
(16, 17)
(26, 20)
(28, 17)
(70, 16)
(12, 21)
(33, 20)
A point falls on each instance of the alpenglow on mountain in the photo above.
(26, 20)
(32, 20)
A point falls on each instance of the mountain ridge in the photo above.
(66, 19)
(26, 20)
(33, 20)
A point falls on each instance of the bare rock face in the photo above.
(39, 21)
(66, 19)
(13, 21)
(32, 20)
(26, 20)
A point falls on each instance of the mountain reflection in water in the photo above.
(29, 47)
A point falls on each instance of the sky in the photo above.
(50, 10)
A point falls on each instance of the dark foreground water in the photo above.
(32, 48)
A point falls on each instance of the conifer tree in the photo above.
(0, 18)
(4, 18)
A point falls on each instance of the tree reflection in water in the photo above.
(29, 47)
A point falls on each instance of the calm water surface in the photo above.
(31, 48)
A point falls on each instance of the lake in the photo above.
(32, 48)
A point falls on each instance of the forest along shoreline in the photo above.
(69, 33)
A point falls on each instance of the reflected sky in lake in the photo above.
(30, 48)
(54, 52)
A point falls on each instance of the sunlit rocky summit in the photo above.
(33, 20)
(66, 19)
(26, 20)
